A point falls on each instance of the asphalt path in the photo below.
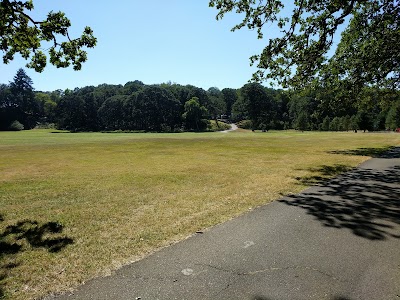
(233, 128)
(337, 241)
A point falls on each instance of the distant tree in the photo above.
(326, 124)
(56, 95)
(230, 97)
(23, 100)
(8, 108)
(217, 105)
(335, 124)
(47, 107)
(77, 110)
(91, 106)
(132, 87)
(280, 113)
(334, 100)
(379, 121)
(393, 116)
(354, 123)
(214, 91)
(194, 115)
(201, 95)
(303, 104)
(181, 92)
(364, 121)
(346, 123)
(71, 112)
(105, 91)
(20, 33)
(258, 104)
(155, 109)
(301, 122)
(111, 113)
(16, 126)
(239, 110)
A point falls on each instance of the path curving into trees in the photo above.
(233, 128)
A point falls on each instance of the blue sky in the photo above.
(152, 41)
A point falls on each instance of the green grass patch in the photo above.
(79, 205)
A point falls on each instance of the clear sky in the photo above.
(151, 41)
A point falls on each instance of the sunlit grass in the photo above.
(120, 196)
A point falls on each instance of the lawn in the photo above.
(79, 205)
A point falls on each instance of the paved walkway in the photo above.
(340, 241)
(233, 128)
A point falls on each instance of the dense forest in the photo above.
(170, 107)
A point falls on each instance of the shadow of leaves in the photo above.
(384, 152)
(365, 201)
(25, 235)
(323, 174)
(36, 235)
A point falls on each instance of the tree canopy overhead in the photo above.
(299, 54)
(20, 33)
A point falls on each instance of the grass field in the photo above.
(76, 206)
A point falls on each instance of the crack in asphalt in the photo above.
(293, 268)
(157, 278)
(250, 273)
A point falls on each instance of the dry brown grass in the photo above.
(120, 196)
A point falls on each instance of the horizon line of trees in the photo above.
(171, 107)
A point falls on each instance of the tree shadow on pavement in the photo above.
(365, 201)
(384, 152)
(23, 236)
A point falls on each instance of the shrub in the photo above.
(16, 126)
(245, 124)
(45, 126)
(221, 126)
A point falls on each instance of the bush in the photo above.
(221, 126)
(45, 126)
(16, 126)
(245, 124)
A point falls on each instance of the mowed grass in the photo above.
(121, 196)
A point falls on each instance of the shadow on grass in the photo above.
(25, 235)
(365, 201)
(323, 174)
(384, 152)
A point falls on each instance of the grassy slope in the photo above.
(119, 196)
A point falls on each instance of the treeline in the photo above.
(317, 108)
(170, 107)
